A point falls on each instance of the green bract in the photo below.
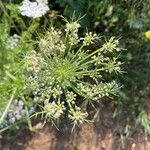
(64, 72)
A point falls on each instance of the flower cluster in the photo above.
(53, 37)
(98, 91)
(63, 73)
(72, 32)
(53, 110)
(34, 9)
(89, 38)
(12, 41)
(77, 116)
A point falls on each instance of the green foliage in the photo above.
(62, 72)
(11, 76)
(109, 16)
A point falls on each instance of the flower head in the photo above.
(12, 41)
(65, 73)
(72, 27)
(147, 34)
(34, 9)
(89, 38)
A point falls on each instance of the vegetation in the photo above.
(56, 67)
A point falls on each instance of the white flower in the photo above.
(72, 27)
(12, 41)
(89, 38)
(34, 9)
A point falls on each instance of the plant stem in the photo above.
(3, 8)
(7, 15)
(28, 119)
(90, 55)
(88, 72)
(88, 62)
(77, 52)
(7, 107)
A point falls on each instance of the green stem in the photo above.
(37, 113)
(11, 76)
(77, 52)
(66, 37)
(28, 119)
(69, 104)
(68, 52)
(7, 108)
(2, 61)
(28, 116)
(91, 71)
(3, 9)
(88, 62)
(90, 55)
(85, 83)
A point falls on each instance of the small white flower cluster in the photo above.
(41, 91)
(104, 58)
(72, 27)
(96, 92)
(72, 32)
(56, 91)
(86, 90)
(52, 43)
(111, 45)
(105, 89)
(112, 66)
(53, 110)
(77, 116)
(34, 62)
(34, 9)
(89, 38)
(12, 41)
(71, 97)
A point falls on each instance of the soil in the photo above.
(90, 136)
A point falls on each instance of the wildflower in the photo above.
(111, 45)
(147, 34)
(77, 116)
(89, 38)
(12, 41)
(34, 9)
(57, 91)
(52, 43)
(54, 110)
(72, 27)
(65, 72)
(71, 97)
